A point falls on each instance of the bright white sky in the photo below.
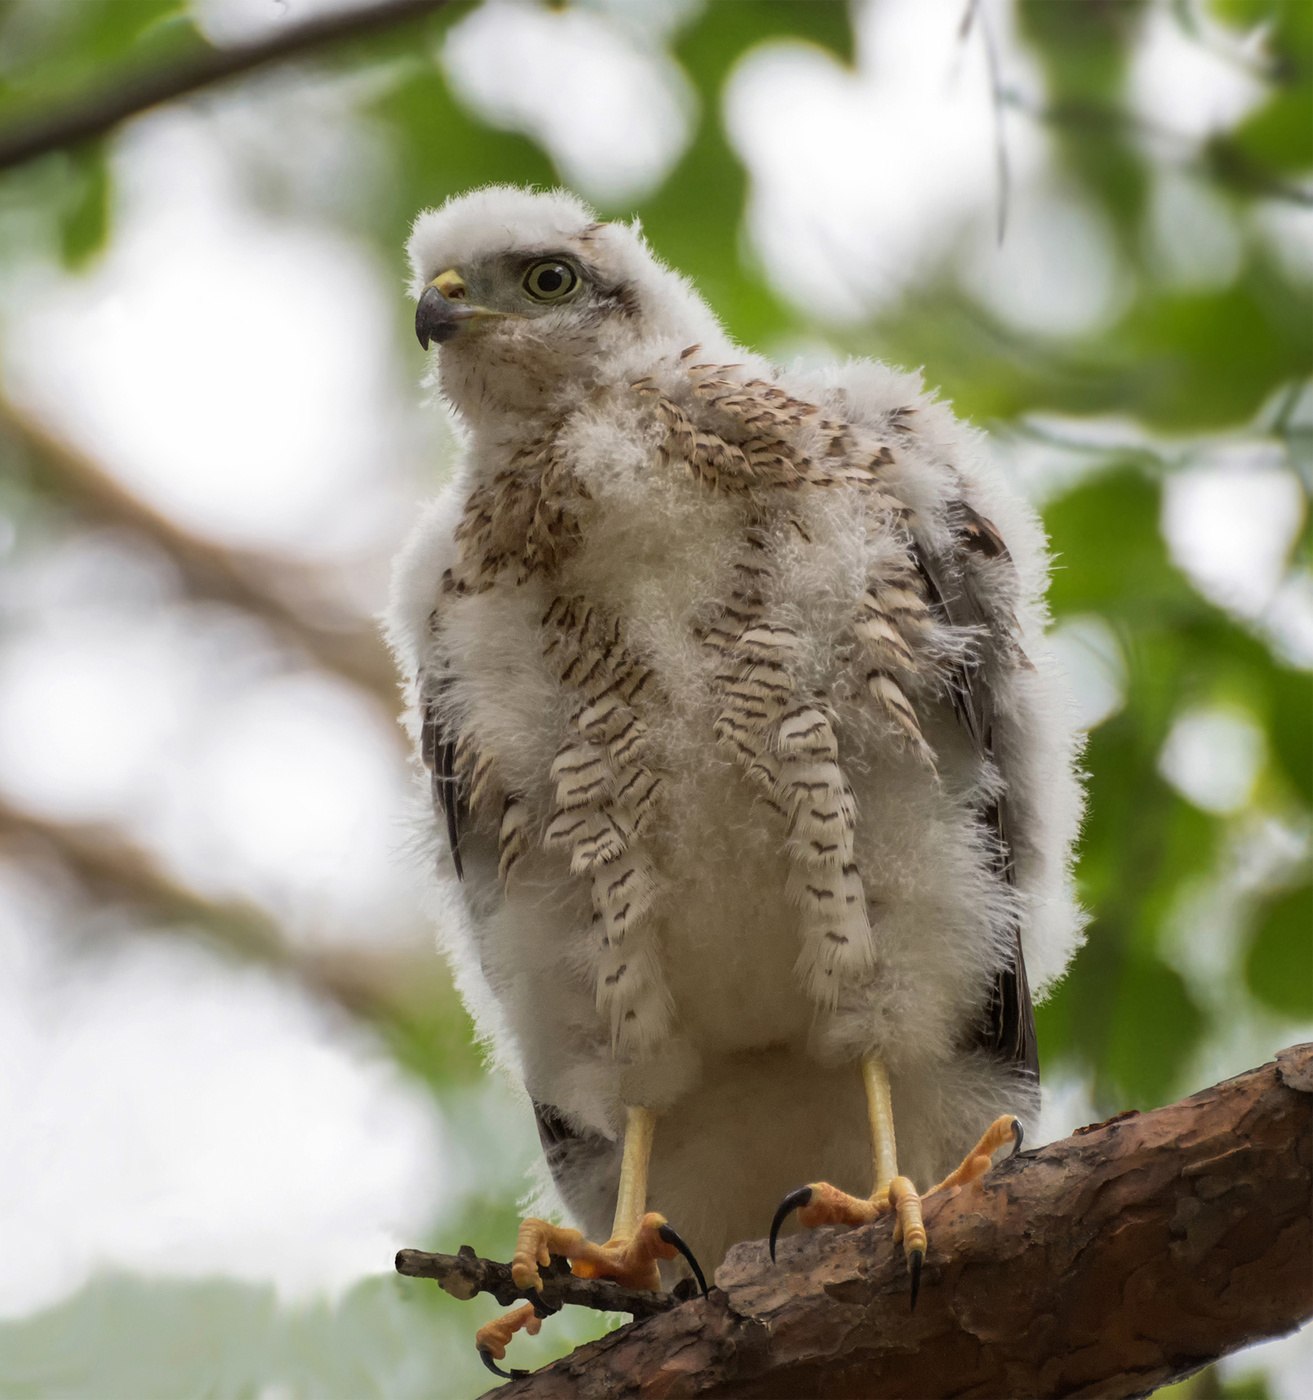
(240, 372)
(169, 1113)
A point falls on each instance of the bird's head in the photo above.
(530, 298)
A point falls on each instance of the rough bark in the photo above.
(1108, 1264)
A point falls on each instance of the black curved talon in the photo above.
(1019, 1136)
(541, 1307)
(671, 1236)
(515, 1375)
(795, 1200)
(914, 1261)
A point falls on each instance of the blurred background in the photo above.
(235, 1076)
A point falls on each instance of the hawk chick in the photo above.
(730, 686)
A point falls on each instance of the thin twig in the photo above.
(1002, 167)
(1220, 157)
(465, 1274)
(1223, 42)
(125, 95)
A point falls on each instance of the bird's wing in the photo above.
(584, 1165)
(438, 744)
(955, 587)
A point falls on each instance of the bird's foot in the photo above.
(1003, 1130)
(629, 1260)
(822, 1204)
(632, 1260)
(493, 1338)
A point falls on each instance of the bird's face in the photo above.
(525, 328)
(530, 301)
(493, 294)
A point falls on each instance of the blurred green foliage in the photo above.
(1189, 372)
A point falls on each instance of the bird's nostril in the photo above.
(455, 293)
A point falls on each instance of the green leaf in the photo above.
(1210, 1384)
(1277, 139)
(724, 32)
(1193, 374)
(1127, 1022)
(1084, 48)
(1086, 52)
(441, 150)
(84, 225)
(1290, 731)
(433, 1037)
(1142, 845)
(108, 28)
(170, 1339)
(1155, 1029)
(1124, 1015)
(1244, 671)
(1279, 965)
(1110, 553)
(693, 219)
(79, 46)
(1254, 1386)
(1279, 134)
(827, 23)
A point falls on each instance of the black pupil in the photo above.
(550, 279)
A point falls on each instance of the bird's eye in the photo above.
(550, 281)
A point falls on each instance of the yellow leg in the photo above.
(822, 1204)
(897, 1191)
(639, 1240)
(880, 1115)
(631, 1194)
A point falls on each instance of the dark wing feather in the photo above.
(438, 748)
(1007, 1025)
(574, 1157)
(554, 1133)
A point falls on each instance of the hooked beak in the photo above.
(444, 310)
(438, 318)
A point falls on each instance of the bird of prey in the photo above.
(740, 733)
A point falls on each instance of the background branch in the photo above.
(345, 645)
(1220, 158)
(371, 982)
(1124, 1257)
(97, 113)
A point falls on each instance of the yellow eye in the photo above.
(550, 280)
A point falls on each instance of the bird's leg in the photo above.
(640, 1238)
(822, 1204)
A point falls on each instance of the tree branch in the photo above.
(1122, 1258)
(126, 95)
(464, 1275)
